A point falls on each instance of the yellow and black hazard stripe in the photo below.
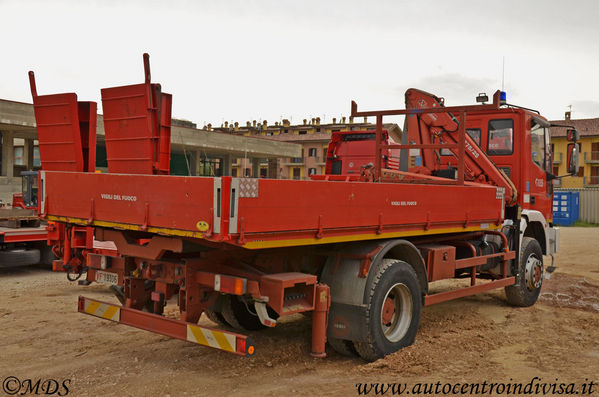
(209, 337)
(219, 340)
(102, 310)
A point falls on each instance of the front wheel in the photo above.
(530, 276)
(393, 310)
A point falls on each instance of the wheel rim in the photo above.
(396, 312)
(533, 272)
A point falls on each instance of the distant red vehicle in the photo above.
(23, 238)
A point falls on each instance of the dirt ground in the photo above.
(471, 340)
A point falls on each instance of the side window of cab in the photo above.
(500, 140)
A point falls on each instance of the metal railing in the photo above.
(589, 203)
(591, 157)
(591, 181)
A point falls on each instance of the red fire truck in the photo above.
(359, 251)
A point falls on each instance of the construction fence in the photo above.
(589, 203)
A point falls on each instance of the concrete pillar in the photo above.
(226, 165)
(255, 167)
(273, 169)
(8, 154)
(28, 153)
(195, 161)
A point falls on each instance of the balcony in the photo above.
(294, 161)
(591, 181)
(591, 157)
(557, 158)
(319, 160)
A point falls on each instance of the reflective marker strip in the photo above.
(206, 337)
(102, 310)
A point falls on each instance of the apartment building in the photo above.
(588, 174)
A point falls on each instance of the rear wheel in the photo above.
(46, 255)
(530, 276)
(343, 347)
(393, 310)
(19, 257)
(216, 317)
(240, 314)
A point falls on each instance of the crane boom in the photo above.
(428, 128)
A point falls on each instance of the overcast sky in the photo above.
(246, 60)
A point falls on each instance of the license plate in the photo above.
(107, 278)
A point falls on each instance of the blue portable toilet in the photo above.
(566, 208)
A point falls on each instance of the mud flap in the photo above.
(347, 322)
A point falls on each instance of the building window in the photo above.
(296, 173)
(19, 155)
(263, 172)
(234, 172)
(312, 171)
(37, 160)
(312, 152)
(303, 132)
(285, 131)
(594, 180)
(318, 129)
(594, 150)
(247, 172)
(324, 154)
(581, 172)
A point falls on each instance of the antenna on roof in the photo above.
(503, 73)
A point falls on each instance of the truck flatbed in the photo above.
(265, 213)
(22, 234)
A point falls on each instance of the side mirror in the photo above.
(573, 135)
(573, 158)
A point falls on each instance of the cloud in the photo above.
(457, 88)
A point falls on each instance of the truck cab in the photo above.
(27, 199)
(517, 141)
(349, 151)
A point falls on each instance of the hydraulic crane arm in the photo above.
(428, 128)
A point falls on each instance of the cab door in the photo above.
(539, 164)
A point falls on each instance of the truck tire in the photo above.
(237, 314)
(19, 257)
(393, 309)
(530, 276)
(343, 347)
(46, 255)
(216, 317)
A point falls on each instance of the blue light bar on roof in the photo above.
(502, 97)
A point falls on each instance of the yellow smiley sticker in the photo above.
(202, 226)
